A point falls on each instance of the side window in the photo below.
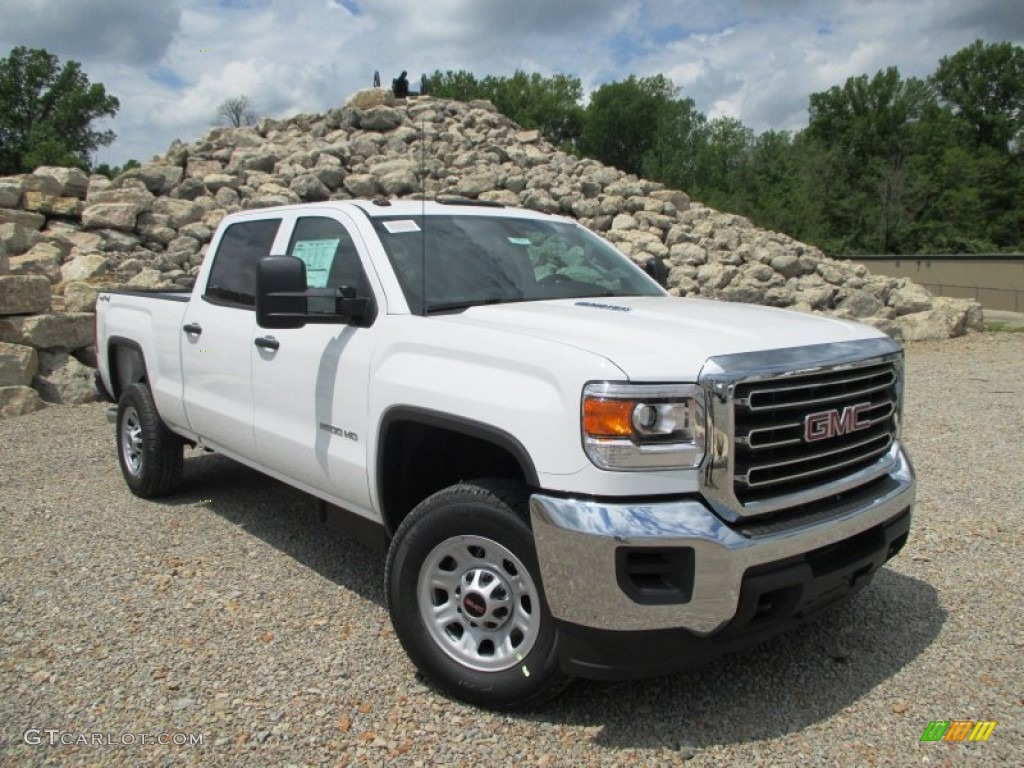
(329, 253)
(233, 275)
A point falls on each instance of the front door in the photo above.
(310, 384)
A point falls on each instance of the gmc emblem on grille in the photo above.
(825, 424)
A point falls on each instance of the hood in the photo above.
(658, 338)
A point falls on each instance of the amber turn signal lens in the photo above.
(608, 418)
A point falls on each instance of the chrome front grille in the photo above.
(793, 426)
(854, 408)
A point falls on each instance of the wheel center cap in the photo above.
(474, 604)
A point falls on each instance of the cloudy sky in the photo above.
(172, 62)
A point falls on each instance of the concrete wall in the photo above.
(995, 280)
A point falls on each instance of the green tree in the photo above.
(548, 104)
(622, 120)
(775, 195)
(113, 171)
(47, 111)
(869, 130)
(984, 84)
(679, 134)
(723, 165)
(461, 85)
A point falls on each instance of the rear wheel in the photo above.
(465, 597)
(150, 455)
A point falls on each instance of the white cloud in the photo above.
(92, 30)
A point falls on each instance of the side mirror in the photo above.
(284, 301)
(658, 270)
(280, 289)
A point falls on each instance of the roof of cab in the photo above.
(384, 207)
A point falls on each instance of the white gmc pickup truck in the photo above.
(575, 473)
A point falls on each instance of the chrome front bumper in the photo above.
(577, 542)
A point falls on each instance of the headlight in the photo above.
(643, 426)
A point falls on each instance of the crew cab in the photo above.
(575, 473)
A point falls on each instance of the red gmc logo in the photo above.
(825, 424)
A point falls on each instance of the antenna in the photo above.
(423, 213)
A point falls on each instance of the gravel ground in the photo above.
(226, 612)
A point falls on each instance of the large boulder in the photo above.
(64, 380)
(178, 212)
(199, 168)
(11, 188)
(71, 182)
(52, 205)
(400, 182)
(150, 280)
(18, 364)
(309, 188)
(67, 331)
(217, 181)
(80, 297)
(947, 318)
(44, 183)
(18, 401)
(361, 185)
(42, 259)
(368, 98)
(17, 238)
(380, 118)
(159, 179)
(24, 294)
(24, 218)
(909, 298)
(138, 196)
(84, 267)
(119, 216)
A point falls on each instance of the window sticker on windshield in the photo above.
(317, 255)
(520, 241)
(401, 225)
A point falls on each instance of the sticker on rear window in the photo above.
(520, 241)
(401, 225)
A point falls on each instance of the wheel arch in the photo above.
(126, 364)
(420, 451)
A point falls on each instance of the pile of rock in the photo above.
(46, 352)
(70, 234)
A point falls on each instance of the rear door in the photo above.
(219, 330)
(310, 384)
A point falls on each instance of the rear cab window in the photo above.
(232, 278)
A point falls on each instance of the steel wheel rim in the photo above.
(131, 440)
(479, 603)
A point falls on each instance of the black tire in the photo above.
(150, 455)
(475, 537)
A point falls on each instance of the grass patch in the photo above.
(998, 326)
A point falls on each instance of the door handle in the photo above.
(267, 342)
(193, 328)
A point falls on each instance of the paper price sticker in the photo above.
(401, 225)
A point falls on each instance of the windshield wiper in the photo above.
(454, 306)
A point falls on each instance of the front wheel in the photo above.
(465, 598)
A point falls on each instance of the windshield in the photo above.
(471, 260)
